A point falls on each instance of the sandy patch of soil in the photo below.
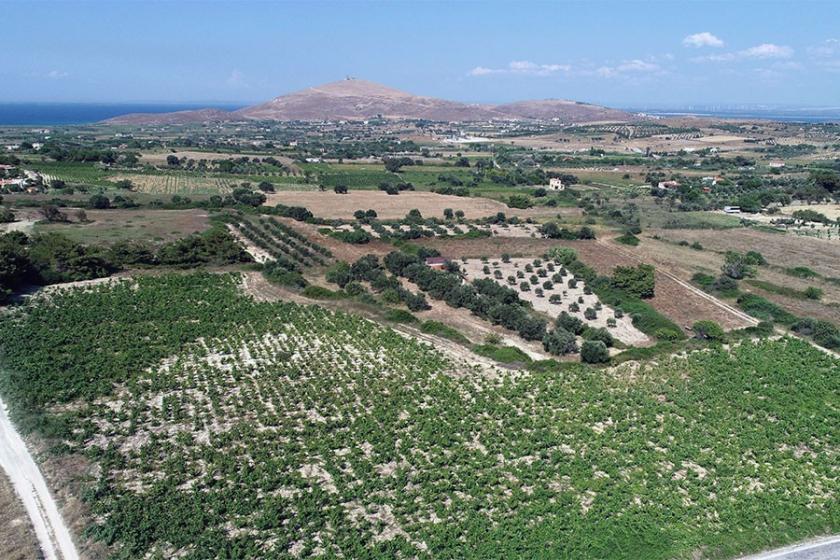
(388, 207)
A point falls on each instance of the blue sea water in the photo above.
(54, 114)
(801, 115)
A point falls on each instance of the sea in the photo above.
(56, 114)
(802, 115)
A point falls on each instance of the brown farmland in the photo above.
(388, 207)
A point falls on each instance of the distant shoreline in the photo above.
(64, 114)
(803, 115)
(68, 114)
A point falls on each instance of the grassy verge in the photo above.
(501, 354)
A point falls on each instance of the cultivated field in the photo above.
(623, 329)
(176, 183)
(387, 207)
(674, 298)
(274, 430)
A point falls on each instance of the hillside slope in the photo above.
(354, 99)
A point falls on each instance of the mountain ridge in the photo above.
(356, 99)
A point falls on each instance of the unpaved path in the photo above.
(824, 548)
(748, 319)
(53, 535)
(259, 254)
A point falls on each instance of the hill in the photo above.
(178, 117)
(353, 99)
(562, 109)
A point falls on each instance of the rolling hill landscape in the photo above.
(354, 99)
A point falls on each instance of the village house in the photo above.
(555, 184)
(668, 185)
(437, 263)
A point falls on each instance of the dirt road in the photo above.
(53, 535)
(824, 548)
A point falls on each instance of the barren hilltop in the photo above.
(354, 99)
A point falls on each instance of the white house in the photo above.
(555, 184)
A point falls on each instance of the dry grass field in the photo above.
(820, 255)
(388, 207)
(109, 226)
(781, 251)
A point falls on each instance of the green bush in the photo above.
(400, 316)
(801, 272)
(628, 239)
(638, 280)
(812, 292)
(594, 352)
(669, 335)
(764, 309)
(708, 330)
(320, 292)
(559, 342)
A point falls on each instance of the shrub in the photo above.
(594, 352)
(560, 342)
(599, 334)
(628, 239)
(637, 281)
(561, 255)
(400, 316)
(354, 289)
(569, 323)
(668, 334)
(440, 329)
(801, 272)
(764, 309)
(708, 330)
(725, 286)
(320, 292)
(738, 266)
(590, 314)
(812, 292)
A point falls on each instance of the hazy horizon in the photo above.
(613, 53)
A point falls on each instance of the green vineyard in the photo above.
(227, 428)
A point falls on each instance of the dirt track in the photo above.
(53, 534)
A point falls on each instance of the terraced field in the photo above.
(224, 427)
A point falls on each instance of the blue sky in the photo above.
(616, 53)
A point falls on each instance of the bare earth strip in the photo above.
(17, 537)
(388, 207)
(53, 535)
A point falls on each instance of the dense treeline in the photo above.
(50, 258)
